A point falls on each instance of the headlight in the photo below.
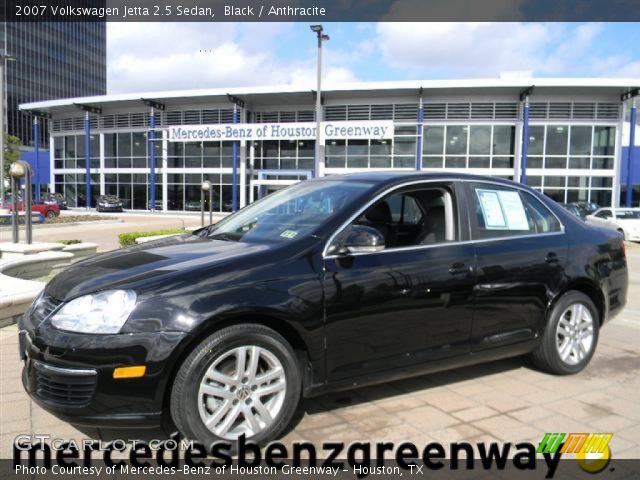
(103, 312)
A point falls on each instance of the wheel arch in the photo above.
(590, 289)
(211, 325)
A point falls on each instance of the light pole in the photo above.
(206, 187)
(4, 56)
(319, 166)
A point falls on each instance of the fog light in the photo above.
(130, 372)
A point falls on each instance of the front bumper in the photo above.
(71, 375)
(110, 208)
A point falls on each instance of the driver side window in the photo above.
(412, 217)
(604, 214)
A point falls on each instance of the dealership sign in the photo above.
(281, 131)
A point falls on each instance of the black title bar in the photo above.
(319, 10)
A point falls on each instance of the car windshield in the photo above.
(292, 213)
(627, 214)
(109, 198)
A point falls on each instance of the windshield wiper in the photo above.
(222, 236)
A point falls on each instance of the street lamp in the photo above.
(319, 166)
(206, 187)
(4, 57)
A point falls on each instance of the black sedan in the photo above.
(108, 203)
(328, 284)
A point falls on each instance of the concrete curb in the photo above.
(16, 294)
(71, 224)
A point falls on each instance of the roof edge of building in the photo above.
(515, 82)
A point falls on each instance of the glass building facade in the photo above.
(53, 60)
(573, 144)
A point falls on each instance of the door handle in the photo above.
(551, 258)
(459, 268)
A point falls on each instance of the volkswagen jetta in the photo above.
(328, 284)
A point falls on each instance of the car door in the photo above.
(409, 303)
(521, 250)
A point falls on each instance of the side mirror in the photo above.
(360, 239)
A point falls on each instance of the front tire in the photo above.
(570, 337)
(241, 380)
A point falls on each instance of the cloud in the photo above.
(430, 50)
(173, 56)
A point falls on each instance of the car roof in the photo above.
(383, 178)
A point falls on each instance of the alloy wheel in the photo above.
(242, 392)
(574, 335)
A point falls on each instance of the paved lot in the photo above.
(106, 234)
(500, 401)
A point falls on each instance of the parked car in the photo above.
(328, 284)
(192, 205)
(57, 199)
(586, 208)
(624, 220)
(108, 203)
(158, 205)
(45, 209)
(573, 209)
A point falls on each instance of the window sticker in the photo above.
(491, 209)
(289, 234)
(502, 210)
(513, 210)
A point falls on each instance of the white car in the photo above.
(625, 220)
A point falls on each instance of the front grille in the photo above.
(56, 386)
(45, 307)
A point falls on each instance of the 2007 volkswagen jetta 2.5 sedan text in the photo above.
(328, 284)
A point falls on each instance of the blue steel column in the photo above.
(420, 133)
(234, 176)
(36, 145)
(87, 158)
(630, 155)
(152, 159)
(525, 141)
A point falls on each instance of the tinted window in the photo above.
(502, 211)
(416, 217)
(499, 211)
(404, 210)
(627, 214)
(603, 214)
(542, 218)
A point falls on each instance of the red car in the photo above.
(43, 209)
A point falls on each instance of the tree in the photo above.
(11, 152)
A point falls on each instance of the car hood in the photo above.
(136, 266)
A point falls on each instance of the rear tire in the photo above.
(243, 379)
(570, 337)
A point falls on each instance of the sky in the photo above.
(175, 56)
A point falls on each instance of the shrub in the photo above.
(129, 238)
(69, 242)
